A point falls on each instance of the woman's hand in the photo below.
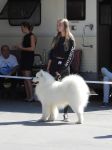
(58, 75)
(47, 69)
(18, 47)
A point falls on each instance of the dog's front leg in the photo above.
(53, 114)
(45, 112)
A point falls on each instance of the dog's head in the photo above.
(42, 76)
(38, 77)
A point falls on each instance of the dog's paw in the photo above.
(51, 120)
(79, 122)
(43, 119)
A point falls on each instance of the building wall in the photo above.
(51, 11)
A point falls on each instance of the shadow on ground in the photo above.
(20, 106)
(36, 123)
(104, 137)
(35, 107)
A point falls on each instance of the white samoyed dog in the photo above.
(71, 90)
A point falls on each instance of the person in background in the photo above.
(27, 57)
(8, 66)
(61, 54)
(107, 76)
(56, 37)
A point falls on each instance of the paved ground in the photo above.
(21, 130)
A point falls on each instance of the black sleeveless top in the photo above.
(27, 40)
(27, 57)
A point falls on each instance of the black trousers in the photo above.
(64, 74)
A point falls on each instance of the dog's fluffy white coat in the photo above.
(72, 91)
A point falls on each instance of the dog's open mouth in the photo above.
(35, 83)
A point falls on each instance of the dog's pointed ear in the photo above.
(41, 73)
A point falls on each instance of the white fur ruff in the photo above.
(72, 91)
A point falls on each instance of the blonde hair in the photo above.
(56, 38)
(68, 34)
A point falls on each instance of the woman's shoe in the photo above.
(29, 99)
(105, 105)
(65, 118)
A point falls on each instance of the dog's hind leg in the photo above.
(53, 114)
(80, 118)
(79, 111)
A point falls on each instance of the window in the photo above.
(17, 11)
(4, 12)
(76, 9)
